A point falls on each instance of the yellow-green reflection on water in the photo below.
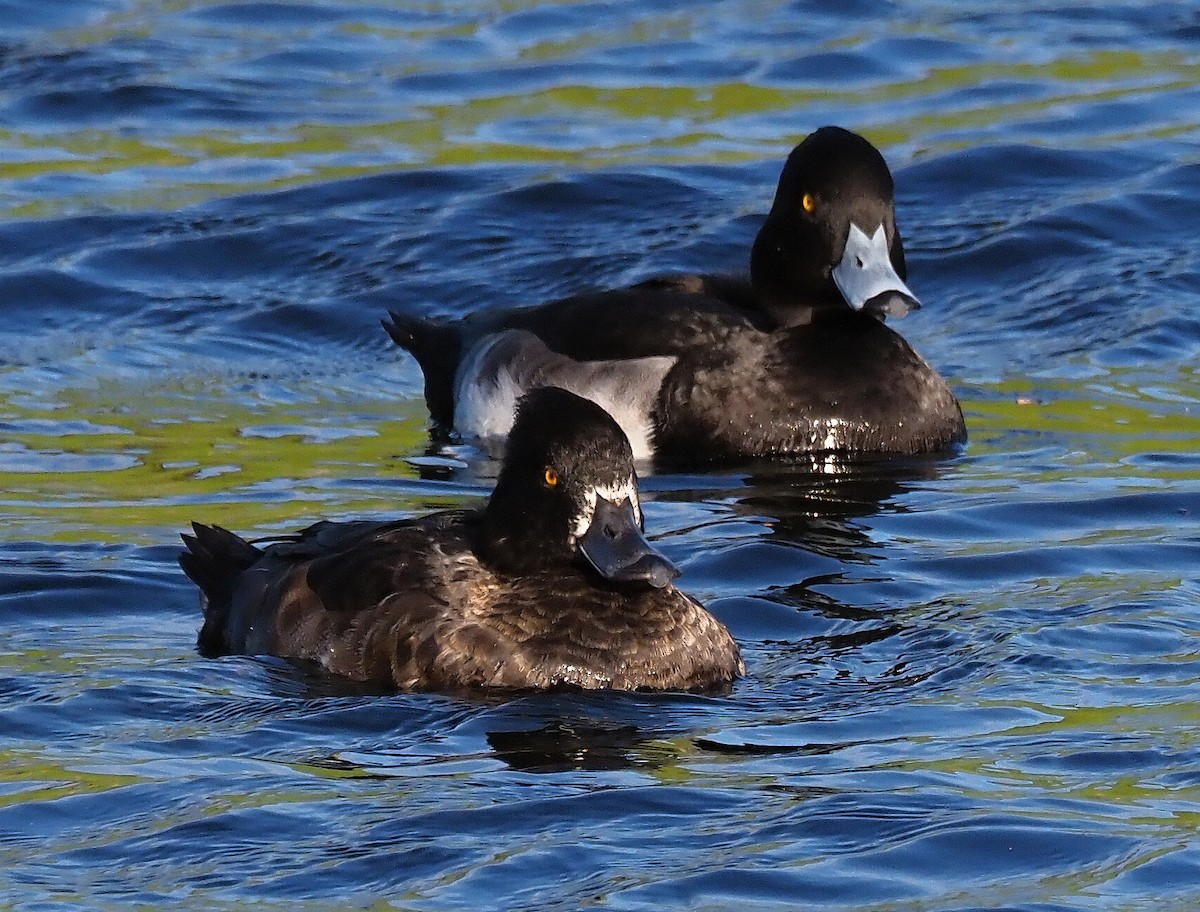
(1121, 414)
(542, 119)
(121, 463)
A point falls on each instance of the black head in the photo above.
(567, 494)
(809, 254)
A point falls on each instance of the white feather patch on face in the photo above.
(618, 493)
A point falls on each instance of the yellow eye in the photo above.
(809, 202)
(551, 477)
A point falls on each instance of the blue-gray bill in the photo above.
(616, 548)
(866, 278)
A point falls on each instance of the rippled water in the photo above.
(972, 682)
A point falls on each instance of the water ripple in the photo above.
(970, 681)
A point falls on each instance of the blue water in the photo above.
(972, 682)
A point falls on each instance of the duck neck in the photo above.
(788, 288)
(513, 541)
(789, 308)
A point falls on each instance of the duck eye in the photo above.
(551, 477)
(809, 202)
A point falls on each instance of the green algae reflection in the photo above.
(128, 465)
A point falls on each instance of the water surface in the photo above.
(972, 681)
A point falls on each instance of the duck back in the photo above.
(408, 605)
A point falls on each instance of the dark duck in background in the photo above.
(704, 368)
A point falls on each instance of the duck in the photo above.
(551, 585)
(797, 359)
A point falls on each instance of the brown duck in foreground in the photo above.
(550, 585)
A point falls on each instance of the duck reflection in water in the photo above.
(819, 504)
(562, 745)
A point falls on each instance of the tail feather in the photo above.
(214, 560)
(437, 346)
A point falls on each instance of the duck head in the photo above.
(567, 494)
(830, 239)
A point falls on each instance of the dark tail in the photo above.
(437, 346)
(214, 560)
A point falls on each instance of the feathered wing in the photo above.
(408, 605)
(365, 600)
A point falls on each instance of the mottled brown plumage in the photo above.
(504, 597)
